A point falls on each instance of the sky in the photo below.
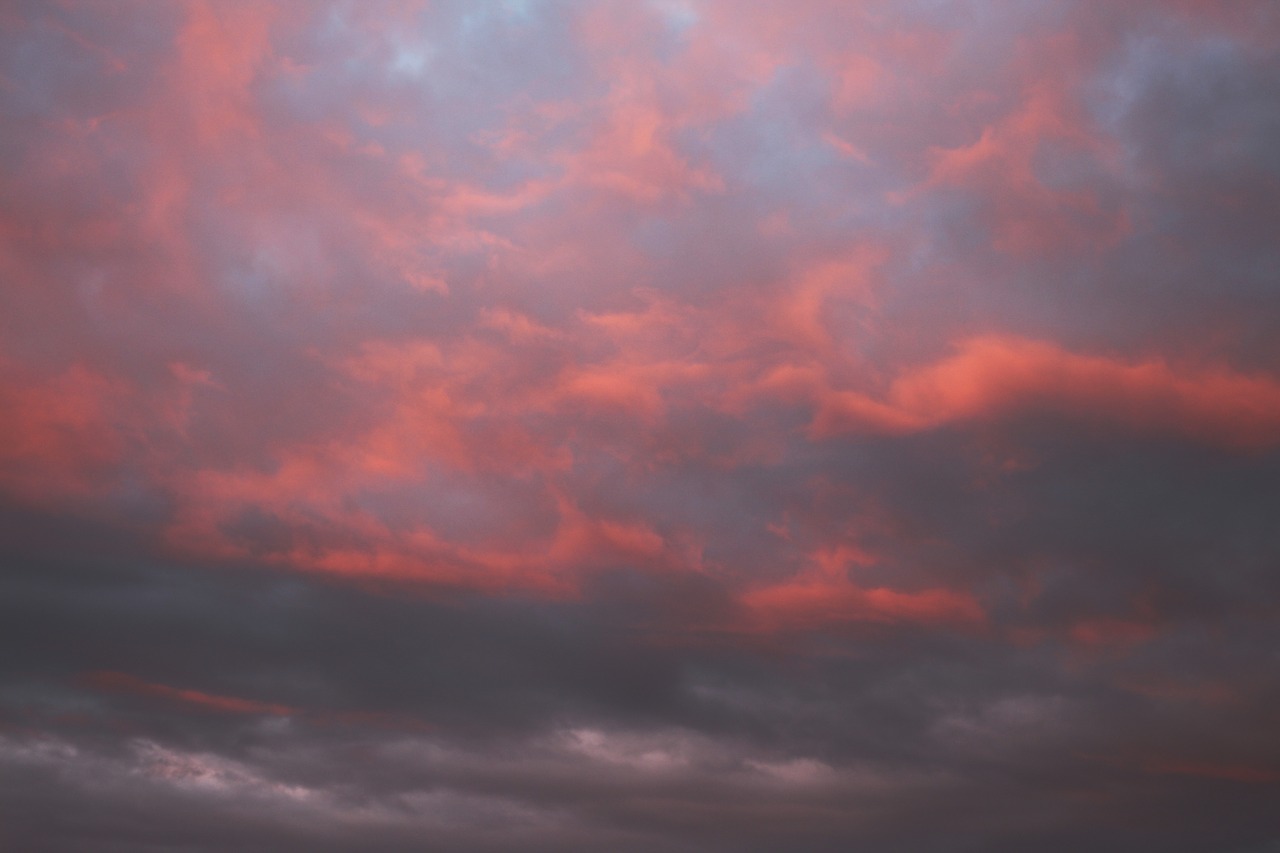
(662, 426)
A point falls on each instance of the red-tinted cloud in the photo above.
(1224, 772)
(996, 377)
(125, 683)
(276, 293)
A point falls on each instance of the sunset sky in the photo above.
(653, 426)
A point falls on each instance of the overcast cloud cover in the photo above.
(662, 425)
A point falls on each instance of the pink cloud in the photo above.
(328, 331)
(62, 436)
(819, 603)
(994, 377)
(124, 683)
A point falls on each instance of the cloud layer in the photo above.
(642, 426)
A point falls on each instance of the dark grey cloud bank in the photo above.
(474, 725)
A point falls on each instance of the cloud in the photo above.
(124, 682)
(681, 426)
(993, 377)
